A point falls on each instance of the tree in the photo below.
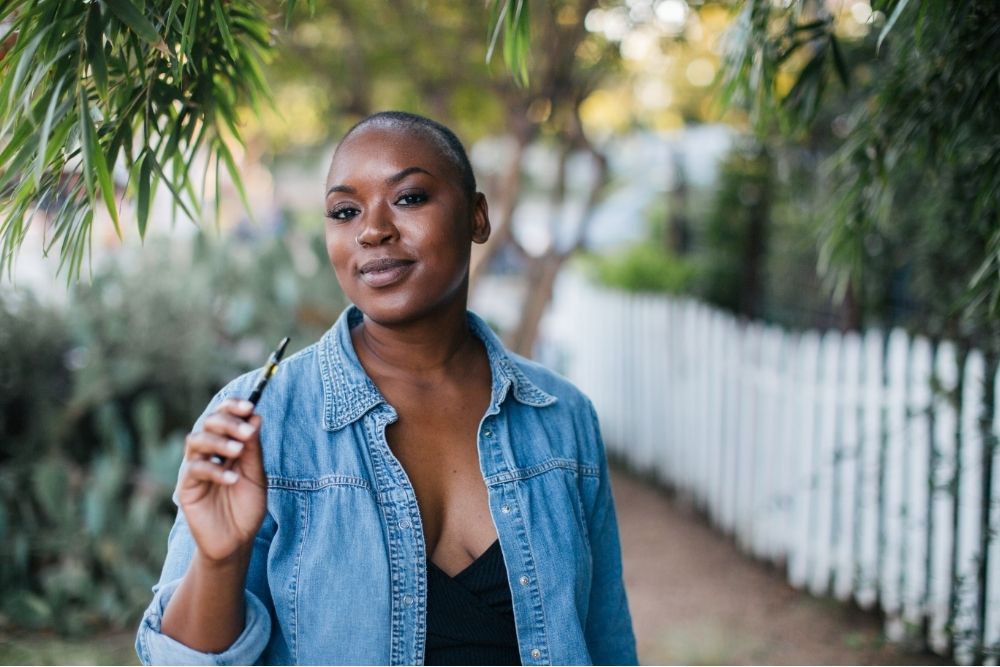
(915, 183)
(91, 86)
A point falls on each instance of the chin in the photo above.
(403, 307)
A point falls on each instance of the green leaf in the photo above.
(178, 200)
(223, 23)
(500, 8)
(46, 131)
(131, 16)
(890, 23)
(94, 159)
(145, 176)
(25, 60)
(190, 26)
(839, 63)
(95, 49)
(86, 145)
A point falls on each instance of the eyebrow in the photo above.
(392, 180)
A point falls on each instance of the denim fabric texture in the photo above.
(338, 575)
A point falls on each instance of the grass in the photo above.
(42, 649)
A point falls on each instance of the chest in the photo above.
(435, 439)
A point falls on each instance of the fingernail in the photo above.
(246, 405)
(234, 447)
(230, 477)
(246, 430)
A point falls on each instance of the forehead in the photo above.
(375, 150)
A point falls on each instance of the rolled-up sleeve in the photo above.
(610, 638)
(156, 648)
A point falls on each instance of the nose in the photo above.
(378, 229)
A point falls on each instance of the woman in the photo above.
(408, 491)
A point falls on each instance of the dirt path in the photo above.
(696, 599)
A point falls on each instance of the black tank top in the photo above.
(470, 617)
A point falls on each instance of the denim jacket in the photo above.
(338, 572)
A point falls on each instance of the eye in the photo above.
(411, 199)
(342, 213)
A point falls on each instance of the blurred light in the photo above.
(667, 121)
(700, 72)
(604, 111)
(840, 126)
(639, 45)
(714, 17)
(861, 12)
(694, 32)
(309, 35)
(672, 14)
(640, 11)
(654, 94)
(588, 53)
(594, 21)
(613, 23)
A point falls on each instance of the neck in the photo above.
(431, 345)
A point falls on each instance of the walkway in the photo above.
(696, 599)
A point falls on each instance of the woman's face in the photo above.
(399, 226)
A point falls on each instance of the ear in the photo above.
(480, 219)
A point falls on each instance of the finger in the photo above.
(204, 444)
(233, 427)
(236, 406)
(205, 471)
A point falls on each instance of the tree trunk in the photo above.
(751, 290)
(545, 269)
(543, 279)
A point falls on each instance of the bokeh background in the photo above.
(762, 235)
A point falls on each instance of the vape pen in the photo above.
(268, 371)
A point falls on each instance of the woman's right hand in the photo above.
(224, 504)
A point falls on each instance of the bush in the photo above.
(95, 403)
(644, 267)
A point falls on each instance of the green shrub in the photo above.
(644, 267)
(95, 401)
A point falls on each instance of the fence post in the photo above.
(894, 491)
(991, 625)
(917, 488)
(800, 556)
(942, 477)
(849, 450)
(967, 630)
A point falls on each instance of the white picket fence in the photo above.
(857, 462)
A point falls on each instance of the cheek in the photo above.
(337, 249)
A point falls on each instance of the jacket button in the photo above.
(524, 580)
(408, 600)
(505, 509)
(536, 654)
(404, 524)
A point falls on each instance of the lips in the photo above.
(384, 271)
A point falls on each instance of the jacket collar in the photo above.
(348, 392)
